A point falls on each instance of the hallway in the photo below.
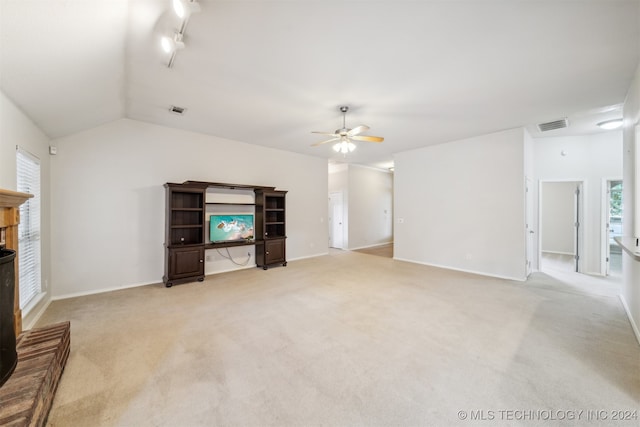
(561, 268)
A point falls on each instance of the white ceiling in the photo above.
(269, 72)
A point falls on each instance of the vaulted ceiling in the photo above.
(269, 72)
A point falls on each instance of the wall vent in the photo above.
(177, 110)
(556, 124)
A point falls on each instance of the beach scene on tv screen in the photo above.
(231, 227)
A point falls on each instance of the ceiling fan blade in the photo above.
(324, 142)
(367, 138)
(358, 130)
(324, 133)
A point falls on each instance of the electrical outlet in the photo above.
(248, 254)
(208, 258)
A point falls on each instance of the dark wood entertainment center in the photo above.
(186, 228)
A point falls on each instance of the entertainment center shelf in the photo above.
(189, 218)
(229, 244)
(230, 204)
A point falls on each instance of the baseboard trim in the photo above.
(136, 285)
(102, 291)
(370, 246)
(33, 318)
(308, 256)
(634, 327)
(462, 270)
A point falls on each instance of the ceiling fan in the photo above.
(344, 136)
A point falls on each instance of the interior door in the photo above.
(336, 226)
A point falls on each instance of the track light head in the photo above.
(184, 8)
(171, 44)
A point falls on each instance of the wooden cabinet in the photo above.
(271, 228)
(186, 262)
(186, 233)
(10, 202)
(274, 252)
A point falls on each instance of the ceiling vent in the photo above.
(177, 110)
(556, 124)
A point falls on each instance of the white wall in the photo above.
(557, 209)
(338, 177)
(460, 205)
(368, 213)
(370, 207)
(591, 159)
(108, 200)
(631, 196)
(18, 129)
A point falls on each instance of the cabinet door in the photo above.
(274, 251)
(186, 262)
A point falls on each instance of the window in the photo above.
(615, 211)
(28, 181)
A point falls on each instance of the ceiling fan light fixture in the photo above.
(344, 147)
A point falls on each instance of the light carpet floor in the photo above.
(346, 339)
(561, 268)
(385, 250)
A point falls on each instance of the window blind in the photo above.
(29, 266)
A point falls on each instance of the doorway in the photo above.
(336, 220)
(561, 234)
(613, 213)
(529, 236)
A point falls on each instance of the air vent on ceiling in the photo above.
(556, 124)
(177, 110)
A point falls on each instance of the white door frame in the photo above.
(604, 224)
(529, 231)
(579, 244)
(578, 214)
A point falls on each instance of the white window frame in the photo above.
(29, 229)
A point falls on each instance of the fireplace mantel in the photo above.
(10, 202)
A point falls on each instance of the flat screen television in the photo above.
(230, 227)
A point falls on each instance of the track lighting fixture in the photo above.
(171, 44)
(183, 10)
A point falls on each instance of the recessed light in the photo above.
(610, 124)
